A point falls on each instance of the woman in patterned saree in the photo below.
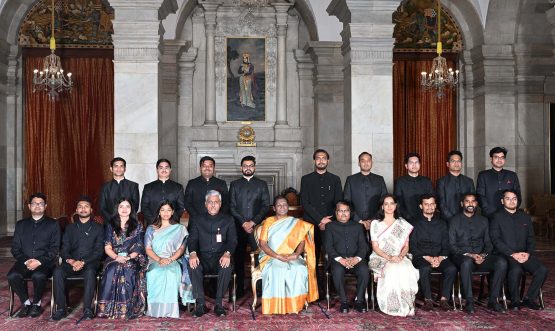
(165, 242)
(288, 280)
(397, 278)
(122, 288)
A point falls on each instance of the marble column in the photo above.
(305, 69)
(368, 55)
(137, 83)
(281, 24)
(210, 26)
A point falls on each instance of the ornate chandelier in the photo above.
(51, 78)
(440, 77)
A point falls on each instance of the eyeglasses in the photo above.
(38, 204)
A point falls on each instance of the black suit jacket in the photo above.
(156, 191)
(195, 195)
(37, 240)
(112, 191)
(345, 240)
(512, 233)
(408, 190)
(78, 245)
(490, 184)
(365, 193)
(469, 235)
(449, 191)
(202, 236)
(319, 194)
(249, 200)
(429, 238)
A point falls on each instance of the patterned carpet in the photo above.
(315, 318)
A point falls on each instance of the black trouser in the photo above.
(210, 264)
(514, 275)
(360, 270)
(39, 276)
(243, 239)
(89, 284)
(446, 267)
(494, 264)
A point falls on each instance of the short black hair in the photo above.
(278, 197)
(364, 153)
(451, 153)
(163, 160)
(39, 195)
(509, 191)
(206, 158)
(84, 198)
(427, 196)
(345, 203)
(412, 154)
(320, 150)
(248, 158)
(464, 195)
(498, 149)
(116, 159)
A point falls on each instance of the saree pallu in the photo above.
(122, 291)
(164, 282)
(397, 282)
(287, 286)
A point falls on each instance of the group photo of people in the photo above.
(415, 248)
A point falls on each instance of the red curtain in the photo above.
(421, 123)
(69, 142)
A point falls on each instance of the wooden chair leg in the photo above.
(234, 294)
(253, 286)
(96, 294)
(541, 299)
(328, 289)
(52, 296)
(11, 302)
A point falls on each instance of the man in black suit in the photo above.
(212, 238)
(196, 189)
(162, 189)
(117, 188)
(492, 182)
(364, 190)
(35, 247)
(452, 186)
(249, 201)
(82, 250)
(347, 251)
(512, 234)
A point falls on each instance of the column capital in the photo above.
(327, 59)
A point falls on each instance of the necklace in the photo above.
(83, 230)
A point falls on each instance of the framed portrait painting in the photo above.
(246, 79)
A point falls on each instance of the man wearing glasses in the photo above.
(492, 182)
(35, 247)
(249, 204)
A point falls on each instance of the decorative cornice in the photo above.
(136, 54)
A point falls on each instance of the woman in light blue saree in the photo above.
(165, 243)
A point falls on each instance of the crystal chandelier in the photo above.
(51, 78)
(440, 77)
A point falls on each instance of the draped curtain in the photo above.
(69, 142)
(421, 123)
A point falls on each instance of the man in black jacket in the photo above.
(118, 187)
(512, 234)
(212, 238)
(196, 189)
(410, 187)
(347, 250)
(364, 190)
(162, 189)
(492, 182)
(82, 250)
(249, 202)
(452, 186)
(35, 247)
(429, 245)
(471, 250)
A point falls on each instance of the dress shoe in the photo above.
(496, 307)
(200, 310)
(219, 310)
(469, 308)
(88, 314)
(531, 304)
(344, 308)
(428, 305)
(444, 305)
(24, 311)
(59, 314)
(515, 305)
(35, 310)
(360, 306)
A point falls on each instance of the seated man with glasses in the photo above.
(35, 247)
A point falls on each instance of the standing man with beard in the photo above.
(116, 189)
(409, 188)
(162, 189)
(320, 191)
(471, 250)
(196, 189)
(249, 204)
(451, 187)
(364, 190)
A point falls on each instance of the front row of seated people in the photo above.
(151, 271)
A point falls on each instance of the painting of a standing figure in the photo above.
(246, 79)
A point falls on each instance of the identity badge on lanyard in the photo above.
(218, 236)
